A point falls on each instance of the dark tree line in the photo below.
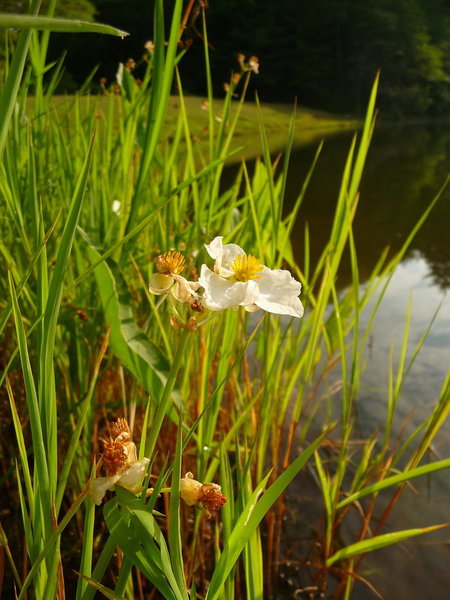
(324, 52)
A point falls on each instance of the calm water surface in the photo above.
(405, 169)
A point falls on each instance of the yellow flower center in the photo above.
(246, 267)
(170, 263)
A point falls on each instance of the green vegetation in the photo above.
(97, 324)
(310, 125)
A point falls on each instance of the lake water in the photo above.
(405, 169)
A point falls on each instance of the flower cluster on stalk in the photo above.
(121, 467)
(236, 279)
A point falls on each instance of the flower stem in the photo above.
(165, 400)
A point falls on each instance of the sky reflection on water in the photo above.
(412, 282)
(405, 169)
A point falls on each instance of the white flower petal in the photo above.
(134, 474)
(160, 283)
(220, 293)
(190, 489)
(100, 485)
(279, 293)
(183, 289)
(275, 291)
(223, 255)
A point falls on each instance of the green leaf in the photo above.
(53, 24)
(101, 588)
(136, 532)
(127, 340)
(175, 536)
(379, 541)
(395, 480)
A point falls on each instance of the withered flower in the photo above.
(130, 64)
(168, 279)
(119, 460)
(206, 496)
(253, 64)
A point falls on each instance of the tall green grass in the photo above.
(84, 342)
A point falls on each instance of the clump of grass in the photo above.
(91, 197)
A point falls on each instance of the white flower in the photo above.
(116, 207)
(239, 279)
(180, 288)
(119, 75)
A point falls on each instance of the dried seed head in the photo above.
(197, 306)
(211, 498)
(119, 453)
(207, 496)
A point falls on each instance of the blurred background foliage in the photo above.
(324, 53)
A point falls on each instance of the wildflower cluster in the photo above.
(119, 461)
(252, 64)
(129, 66)
(237, 279)
(246, 66)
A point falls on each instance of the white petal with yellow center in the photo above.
(220, 293)
(274, 291)
(223, 255)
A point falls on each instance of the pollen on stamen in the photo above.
(170, 263)
(246, 267)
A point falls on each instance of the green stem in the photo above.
(166, 396)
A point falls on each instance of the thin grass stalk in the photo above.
(41, 518)
(159, 96)
(15, 72)
(166, 397)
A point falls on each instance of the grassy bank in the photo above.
(310, 126)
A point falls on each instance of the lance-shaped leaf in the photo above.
(55, 24)
(379, 541)
(136, 352)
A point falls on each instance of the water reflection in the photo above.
(419, 567)
(405, 169)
